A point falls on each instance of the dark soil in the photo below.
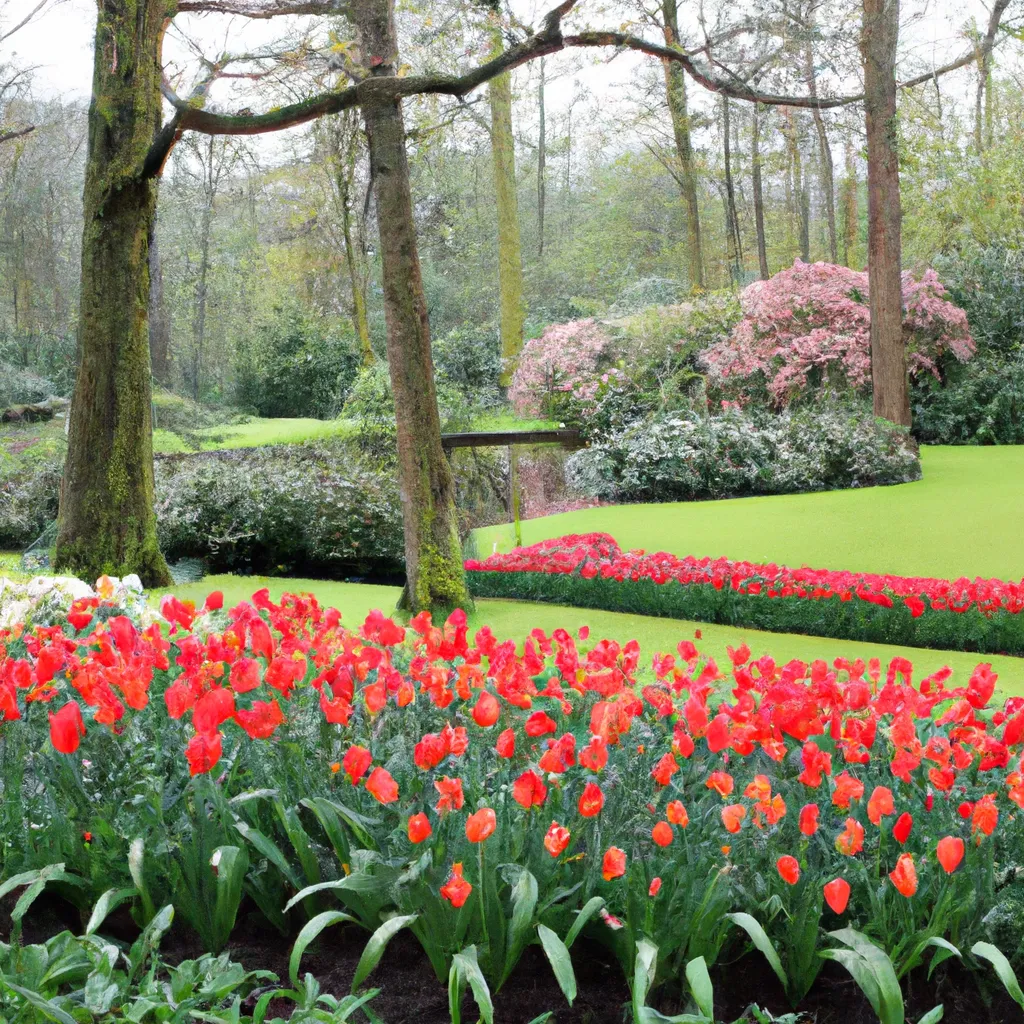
(412, 994)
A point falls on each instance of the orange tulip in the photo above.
(837, 894)
(591, 800)
(880, 804)
(614, 863)
(676, 813)
(732, 815)
(985, 816)
(851, 840)
(904, 875)
(481, 825)
(721, 783)
(382, 786)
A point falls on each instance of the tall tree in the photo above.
(758, 189)
(159, 318)
(675, 92)
(733, 245)
(542, 158)
(879, 36)
(510, 255)
(826, 170)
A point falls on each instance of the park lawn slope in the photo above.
(515, 619)
(961, 519)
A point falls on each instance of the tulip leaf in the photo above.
(1002, 967)
(946, 949)
(104, 905)
(374, 949)
(361, 881)
(466, 968)
(43, 1006)
(700, 985)
(229, 864)
(933, 1016)
(136, 858)
(590, 908)
(524, 903)
(310, 931)
(883, 975)
(760, 939)
(561, 962)
(269, 849)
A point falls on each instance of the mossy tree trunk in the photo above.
(675, 92)
(510, 255)
(433, 558)
(159, 319)
(106, 520)
(758, 188)
(879, 35)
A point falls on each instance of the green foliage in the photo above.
(19, 386)
(647, 292)
(469, 358)
(316, 506)
(671, 458)
(294, 367)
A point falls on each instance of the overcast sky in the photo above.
(60, 42)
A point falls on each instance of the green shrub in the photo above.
(648, 291)
(19, 386)
(311, 509)
(294, 368)
(470, 358)
(671, 457)
(980, 402)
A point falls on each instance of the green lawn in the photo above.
(515, 619)
(962, 519)
(255, 433)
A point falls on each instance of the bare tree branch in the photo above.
(16, 133)
(258, 10)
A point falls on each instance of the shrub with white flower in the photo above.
(807, 329)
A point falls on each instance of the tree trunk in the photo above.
(434, 574)
(824, 153)
(106, 520)
(879, 34)
(510, 255)
(755, 174)
(542, 158)
(675, 92)
(205, 228)
(159, 321)
(850, 212)
(345, 169)
(732, 231)
(801, 197)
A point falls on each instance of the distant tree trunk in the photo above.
(345, 157)
(824, 153)
(755, 174)
(542, 157)
(879, 35)
(106, 522)
(199, 315)
(159, 321)
(801, 197)
(850, 212)
(732, 230)
(433, 558)
(510, 254)
(675, 91)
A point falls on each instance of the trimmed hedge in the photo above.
(999, 633)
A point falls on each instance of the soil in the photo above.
(412, 994)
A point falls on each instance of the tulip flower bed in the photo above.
(591, 571)
(489, 799)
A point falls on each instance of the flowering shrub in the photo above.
(551, 365)
(807, 328)
(485, 794)
(676, 457)
(592, 570)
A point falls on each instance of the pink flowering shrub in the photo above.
(807, 328)
(553, 364)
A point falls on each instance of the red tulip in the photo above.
(356, 762)
(539, 723)
(487, 710)
(665, 769)
(506, 744)
(985, 816)
(556, 839)
(880, 804)
(456, 890)
(851, 840)
(662, 833)
(614, 863)
(788, 869)
(809, 819)
(67, 728)
(655, 887)
(481, 825)
(837, 894)
(203, 752)
(381, 786)
(904, 875)
(451, 796)
(262, 720)
(418, 828)
(901, 830)
(950, 851)
(591, 800)
(529, 790)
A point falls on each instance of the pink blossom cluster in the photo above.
(556, 362)
(815, 316)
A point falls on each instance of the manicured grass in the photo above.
(515, 619)
(254, 434)
(961, 519)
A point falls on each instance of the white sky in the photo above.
(60, 42)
